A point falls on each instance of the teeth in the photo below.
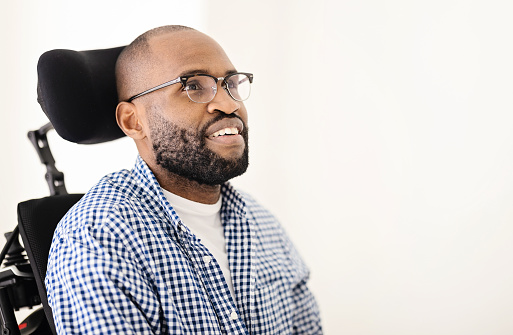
(226, 131)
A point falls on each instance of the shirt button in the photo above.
(233, 316)
(207, 259)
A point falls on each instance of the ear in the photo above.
(128, 118)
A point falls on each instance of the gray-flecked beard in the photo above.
(184, 152)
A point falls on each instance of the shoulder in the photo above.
(111, 224)
(259, 214)
(269, 230)
(274, 249)
(111, 206)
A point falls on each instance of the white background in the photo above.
(380, 137)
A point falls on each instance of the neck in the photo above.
(186, 188)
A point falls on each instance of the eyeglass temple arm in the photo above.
(249, 77)
(169, 83)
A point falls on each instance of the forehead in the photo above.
(179, 52)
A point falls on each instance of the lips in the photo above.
(224, 127)
(225, 131)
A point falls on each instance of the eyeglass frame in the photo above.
(183, 80)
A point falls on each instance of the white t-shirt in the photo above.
(205, 222)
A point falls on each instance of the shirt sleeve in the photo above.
(305, 312)
(305, 316)
(306, 319)
(94, 286)
(291, 307)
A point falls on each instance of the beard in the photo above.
(184, 152)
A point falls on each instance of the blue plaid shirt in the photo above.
(122, 262)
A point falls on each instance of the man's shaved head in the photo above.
(136, 60)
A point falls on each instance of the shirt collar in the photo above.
(233, 201)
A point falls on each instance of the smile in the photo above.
(225, 131)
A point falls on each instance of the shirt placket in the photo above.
(239, 237)
(208, 270)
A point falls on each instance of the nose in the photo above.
(223, 102)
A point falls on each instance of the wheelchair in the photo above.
(77, 92)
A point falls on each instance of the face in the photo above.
(185, 152)
(207, 143)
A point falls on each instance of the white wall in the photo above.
(380, 136)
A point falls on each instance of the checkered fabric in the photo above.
(122, 262)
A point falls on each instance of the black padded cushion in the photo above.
(77, 91)
(37, 220)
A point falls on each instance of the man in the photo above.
(170, 247)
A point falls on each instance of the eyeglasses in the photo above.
(202, 88)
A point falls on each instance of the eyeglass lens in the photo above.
(203, 88)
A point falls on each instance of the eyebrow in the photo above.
(203, 71)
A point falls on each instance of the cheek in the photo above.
(183, 119)
(186, 114)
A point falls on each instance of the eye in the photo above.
(193, 85)
(233, 83)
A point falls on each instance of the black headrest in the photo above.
(77, 91)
